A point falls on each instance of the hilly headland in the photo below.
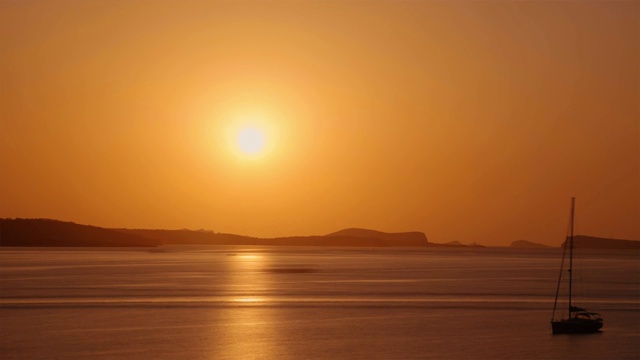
(54, 233)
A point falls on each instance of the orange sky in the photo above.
(469, 121)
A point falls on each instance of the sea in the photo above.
(255, 302)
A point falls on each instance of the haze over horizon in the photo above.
(468, 121)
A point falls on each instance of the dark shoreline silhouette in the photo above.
(55, 233)
(524, 244)
(46, 232)
(592, 242)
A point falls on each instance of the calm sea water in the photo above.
(309, 303)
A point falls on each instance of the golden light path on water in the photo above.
(250, 332)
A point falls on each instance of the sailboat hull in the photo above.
(576, 326)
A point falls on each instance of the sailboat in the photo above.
(579, 321)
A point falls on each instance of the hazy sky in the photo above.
(469, 121)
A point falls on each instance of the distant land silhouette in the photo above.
(475, 244)
(591, 242)
(528, 245)
(407, 238)
(54, 233)
(454, 243)
(45, 232)
(458, 243)
(348, 237)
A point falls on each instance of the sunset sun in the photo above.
(251, 141)
(252, 137)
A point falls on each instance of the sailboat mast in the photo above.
(573, 207)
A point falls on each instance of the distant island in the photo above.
(459, 244)
(583, 242)
(524, 244)
(454, 243)
(54, 233)
(591, 242)
(347, 237)
(45, 232)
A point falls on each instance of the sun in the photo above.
(251, 140)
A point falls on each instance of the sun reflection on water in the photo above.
(248, 300)
(249, 330)
(249, 257)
